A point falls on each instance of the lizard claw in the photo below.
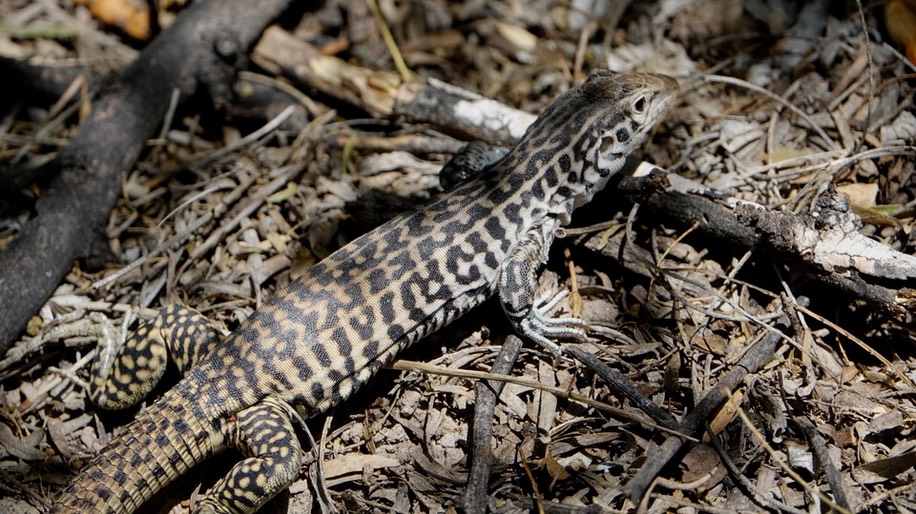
(541, 328)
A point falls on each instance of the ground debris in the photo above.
(789, 223)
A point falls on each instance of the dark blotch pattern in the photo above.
(323, 336)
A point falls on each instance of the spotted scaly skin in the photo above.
(314, 342)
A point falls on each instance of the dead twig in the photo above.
(819, 448)
(757, 356)
(85, 187)
(622, 386)
(485, 394)
(404, 365)
(385, 94)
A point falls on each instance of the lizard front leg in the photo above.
(471, 161)
(518, 280)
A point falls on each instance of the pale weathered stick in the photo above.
(384, 94)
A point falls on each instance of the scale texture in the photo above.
(314, 342)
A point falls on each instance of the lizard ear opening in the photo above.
(607, 141)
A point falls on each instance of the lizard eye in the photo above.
(639, 105)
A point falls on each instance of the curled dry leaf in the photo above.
(900, 17)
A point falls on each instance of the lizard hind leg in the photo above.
(123, 375)
(265, 436)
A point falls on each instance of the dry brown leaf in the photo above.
(891, 467)
(702, 463)
(354, 464)
(556, 470)
(859, 195)
(26, 450)
(726, 414)
(900, 18)
(125, 15)
(892, 420)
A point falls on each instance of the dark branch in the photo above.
(197, 52)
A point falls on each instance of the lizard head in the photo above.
(583, 138)
(629, 104)
(612, 113)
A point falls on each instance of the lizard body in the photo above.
(324, 335)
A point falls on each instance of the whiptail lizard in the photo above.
(317, 340)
